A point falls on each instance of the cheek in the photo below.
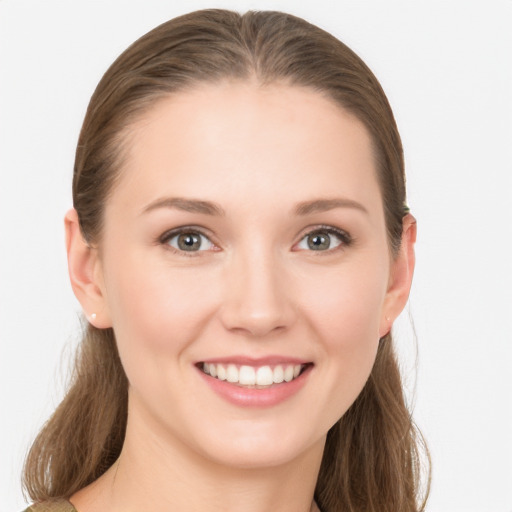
(346, 304)
(344, 313)
(156, 308)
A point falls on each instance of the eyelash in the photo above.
(345, 239)
(169, 235)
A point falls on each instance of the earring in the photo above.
(390, 324)
(93, 316)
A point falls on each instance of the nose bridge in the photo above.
(256, 299)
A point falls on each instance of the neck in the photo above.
(156, 472)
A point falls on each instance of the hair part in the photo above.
(371, 458)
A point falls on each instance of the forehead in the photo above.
(236, 138)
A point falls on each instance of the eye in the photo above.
(188, 241)
(324, 239)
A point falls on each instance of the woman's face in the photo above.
(244, 244)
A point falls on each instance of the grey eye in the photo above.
(320, 240)
(190, 242)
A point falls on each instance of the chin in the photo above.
(257, 448)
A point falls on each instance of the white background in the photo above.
(446, 67)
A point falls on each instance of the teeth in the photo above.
(232, 373)
(264, 376)
(247, 376)
(250, 376)
(278, 374)
(221, 372)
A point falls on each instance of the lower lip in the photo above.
(253, 397)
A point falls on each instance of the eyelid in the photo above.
(344, 236)
(164, 238)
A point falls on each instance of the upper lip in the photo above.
(271, 360)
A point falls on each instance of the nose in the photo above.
(257, 300)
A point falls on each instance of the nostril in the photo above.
(257, 320)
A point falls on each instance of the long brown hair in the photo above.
(371, 460)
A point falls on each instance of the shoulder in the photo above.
(51, 506)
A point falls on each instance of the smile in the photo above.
(246, 382)
(249, 376)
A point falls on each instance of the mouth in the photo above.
(253, 377)
(247, 382)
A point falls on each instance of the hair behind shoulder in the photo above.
(85, 434)
(371, 461)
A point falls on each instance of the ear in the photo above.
(400, 279)
(85, 273)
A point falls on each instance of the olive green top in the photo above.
(52, 506)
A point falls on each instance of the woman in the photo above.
(241, 247)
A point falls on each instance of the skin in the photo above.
(256, 289)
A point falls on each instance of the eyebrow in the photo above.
(210, 208)
(186, 205)
(323, 205)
